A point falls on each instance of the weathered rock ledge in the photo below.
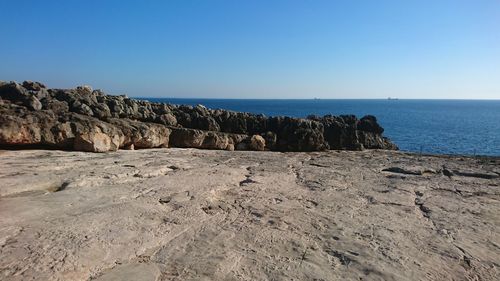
(189, 214)
(32, 116)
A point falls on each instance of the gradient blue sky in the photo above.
(257, 49)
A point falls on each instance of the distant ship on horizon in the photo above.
(389, 98)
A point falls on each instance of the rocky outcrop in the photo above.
(89, 120)
(184, 137)
(347, 132)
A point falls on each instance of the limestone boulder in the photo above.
(141, 134)
(257, 143)
(95, 142)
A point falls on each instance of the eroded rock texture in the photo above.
(188, 214)
(89, 120)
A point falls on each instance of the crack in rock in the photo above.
(398, 170)
(466, 260)
(486, 176)
(343, 258)
(58, 188)
(247, 181)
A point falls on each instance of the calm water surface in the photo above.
(433, 126)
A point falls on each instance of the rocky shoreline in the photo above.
(189, 214)
(83, 119)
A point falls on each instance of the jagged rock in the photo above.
(14, 92)
(35, 115)
(234, 123)
(186, 138)
(15, 131)
(19, 95)
(85, 89)
(33, 86)
(295, 134)
(81, 108)
(369, 124)
(208, 123)
(182, 137)
(21, 128)
(101, 111)
(168, 119)
(347, 132)
(55, 105)
(33, 103)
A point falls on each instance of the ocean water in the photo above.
(470, 127)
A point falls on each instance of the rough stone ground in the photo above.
(187, 214)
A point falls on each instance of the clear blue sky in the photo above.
(257, 49)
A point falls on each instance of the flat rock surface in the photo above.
(187, 214)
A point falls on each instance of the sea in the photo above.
(464, 127)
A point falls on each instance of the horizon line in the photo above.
(388, 99)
